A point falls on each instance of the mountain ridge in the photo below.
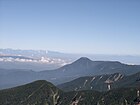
(79, 68)
(102, 82)
(44, 93)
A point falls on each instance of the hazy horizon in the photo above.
(62, 52)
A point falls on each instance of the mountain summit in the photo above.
(83, 59)
(82, 63)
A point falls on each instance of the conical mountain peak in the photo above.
(83, 60)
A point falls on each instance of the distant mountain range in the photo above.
(30, 59)
(39, 60)
(79, 68)
(44, 93)
(34, 53)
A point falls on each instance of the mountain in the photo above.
(79, 68)
(99, 82)
(102, 82)
(80, 98)
(87, 67)
(36, 93)
(121, 96)
(44, 93)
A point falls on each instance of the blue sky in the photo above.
(71, 26)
